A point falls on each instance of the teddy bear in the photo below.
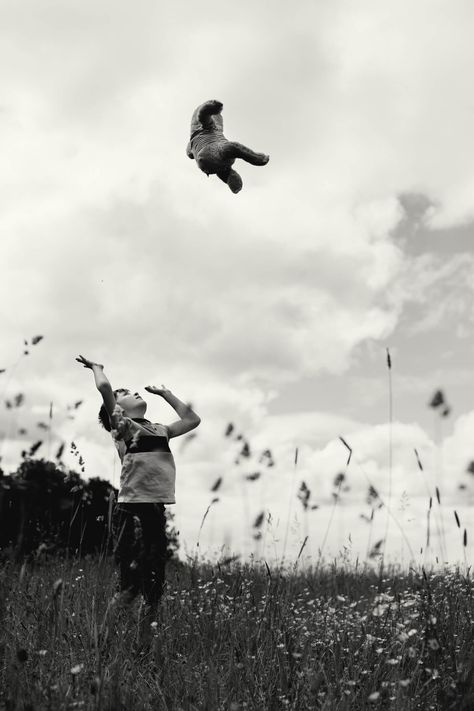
(211, 150)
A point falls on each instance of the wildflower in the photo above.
(404, 682)
(392, 661)
(374, 696)
(43, 652)
(383, 597)
(154, 624)
(433, 644)
(77, 669)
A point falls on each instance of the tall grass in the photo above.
(237, 637)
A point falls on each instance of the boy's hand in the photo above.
(158, 391)
(88, 363)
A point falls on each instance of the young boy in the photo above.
(147, 483)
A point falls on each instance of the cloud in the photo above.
(116, 246)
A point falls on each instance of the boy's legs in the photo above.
(153, 521)
(125, 549)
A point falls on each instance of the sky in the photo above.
(272, 309)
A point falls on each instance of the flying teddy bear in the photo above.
(211, 150)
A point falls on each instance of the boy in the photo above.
(147, 483)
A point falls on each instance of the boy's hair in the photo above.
(104, 418)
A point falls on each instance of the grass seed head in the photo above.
(57, 587)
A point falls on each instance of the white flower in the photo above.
(374, 696)
(383, 597)
(77, 669)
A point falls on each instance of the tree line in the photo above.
(46, 509)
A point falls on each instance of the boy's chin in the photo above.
(136, 412)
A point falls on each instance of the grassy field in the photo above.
(237, 637)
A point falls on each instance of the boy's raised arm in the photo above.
(102, 383)
(189, 419)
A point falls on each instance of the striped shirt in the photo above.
(148, 470)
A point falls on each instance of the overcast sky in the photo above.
(272, 308)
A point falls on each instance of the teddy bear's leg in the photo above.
(232, 178)
(232, 149)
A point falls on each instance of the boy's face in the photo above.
(132, 403)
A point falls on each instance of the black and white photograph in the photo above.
(237, 364)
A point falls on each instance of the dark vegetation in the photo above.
(45, 509)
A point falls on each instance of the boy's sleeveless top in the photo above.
(148, 470)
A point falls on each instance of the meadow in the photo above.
(235, 636)
(229, 635)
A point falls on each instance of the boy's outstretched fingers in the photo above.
(83, 361)
(86, 362)
(156, 391)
